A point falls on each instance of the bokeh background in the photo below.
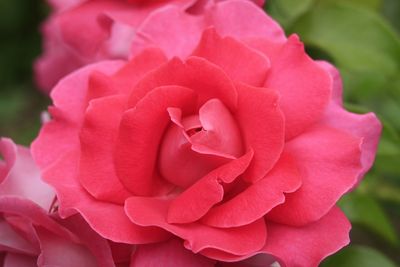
(361, 37)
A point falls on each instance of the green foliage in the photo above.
(358, 256)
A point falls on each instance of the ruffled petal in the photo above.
(23, 177)
(365, 126)
(304, 86)
(140, 133)
(308, 245)
(262, 125)
(192, 204)
(239, 240)
(240, 62)
(69, 98)
(206, 79)
(329, 164)
(73, 198)
(259, 198)
(170, 253)
(98, 138)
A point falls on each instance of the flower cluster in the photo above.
(195, 133)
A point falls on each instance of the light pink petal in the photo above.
(98, 138)
(193, 203)
(19, 260)
(12, 242)
(69, 98)
(262, 126)
(365, 126)
(56, 251)
(23, 178)
(258, 199)
(242, 19)
(171, 29)
(308, 245)
(169, 253)
(73, 198)
(140, 133)
(98, 246)
(329, 164)
(240, 62)
(206, 79)
(304, 86)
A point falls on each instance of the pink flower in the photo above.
(238, 149)
(29, 235)
(80, 32)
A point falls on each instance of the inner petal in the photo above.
(197, 144)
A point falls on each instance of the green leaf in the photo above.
(358, 40)
(371, 4)
(358, 256)
(287, 11)
(366, 211)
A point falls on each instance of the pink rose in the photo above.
(80, 32)
(238, 149)
(29, 235)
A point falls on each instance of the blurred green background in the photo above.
(361, 37)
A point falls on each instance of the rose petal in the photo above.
(309, 244)
(258, 199)
(242, 19)
(12, 242)
(329, 163)
(18, 260)
(23, 178)
(137, 148)
(365, 126)
(170, 253)
(262, 126)
(206, 79)
(240, 62)
(98, 138)
(239, 240)
(69, 97)
(193, 203)
(303, 85)
(73, 198)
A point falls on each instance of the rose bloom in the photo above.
(80, 32)
(227, 146)
(29, 235)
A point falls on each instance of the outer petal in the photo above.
(169, 253)
(306, 246)
(73, 198)
(304, 86)
(329, 163)
(98, 139)
(239, 240)
(262, 126)
(23, 178)
(365, 126)
(241, 63)
(69, 97)
(258, 199)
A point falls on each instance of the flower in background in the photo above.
(219, 141)
(30, 236)
(80, 32)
